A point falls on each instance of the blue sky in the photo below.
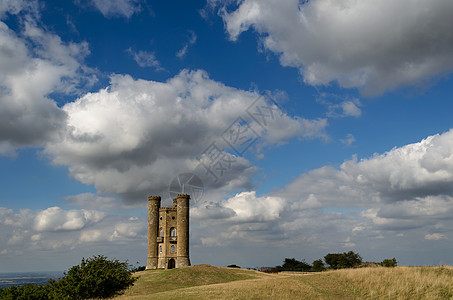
(105, 102)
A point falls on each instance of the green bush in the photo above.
(318, 266)
(292, 264)
(389, 263)
(343, 260)
(26, 292)
(95, 277)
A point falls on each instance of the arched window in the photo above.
(173, 231)
(172, 249)
(160, 249)
(161, 232)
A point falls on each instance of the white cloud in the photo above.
(417, 172)
(58, 229)
(118, 8)
(371, 45)
(340, 106)
(56, 219)
(16, 6)
(349, 140)
(91, 235)
(167, 125)
(145, 59)
(248, 207)
(435, 236)
(36, 237)
(129, 230)
(311, 203)
(192, 39)
(34, 64)
(350, 109)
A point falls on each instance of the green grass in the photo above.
(208, 282)
(156, 281)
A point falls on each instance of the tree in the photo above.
(351, 259)
(318, 266)
(95, 277)
(343, 260)
(332, 259)
(389, 263)
(292, 264)
(233, 266)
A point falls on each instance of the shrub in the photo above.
(343, 260)
(233, 266)
(95, 277)
(28, 291)
(318, 266)
(292, 264)
(389, 263)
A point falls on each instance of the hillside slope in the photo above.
(208, 282)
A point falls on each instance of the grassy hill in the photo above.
(208, 282)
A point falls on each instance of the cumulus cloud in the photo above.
(118, 8)
(243, 207)
(374, 46)
(56, 219)
(137, 135)
(34, 64)
(248, 207)
(54, 228)
(402, 194)
(403, 189)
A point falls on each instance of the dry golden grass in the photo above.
(208, 282)
(400, 282)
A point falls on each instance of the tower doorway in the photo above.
(171, 264)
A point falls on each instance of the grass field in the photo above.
(208, 282)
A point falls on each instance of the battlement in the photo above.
(150, 198)
(183, 196)
(165, 208)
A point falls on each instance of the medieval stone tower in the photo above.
(168, 233)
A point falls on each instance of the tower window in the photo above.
(173, 231)
(172, 248)
(160, 249)
(161, 232)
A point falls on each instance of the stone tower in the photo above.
(168, 233)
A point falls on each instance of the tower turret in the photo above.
(182, 229)
(153, 229)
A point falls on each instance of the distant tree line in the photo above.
(331, 261)
(96, 277)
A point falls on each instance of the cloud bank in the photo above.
(374, 46)
(34, 64)
(136, 136)
(403, 196)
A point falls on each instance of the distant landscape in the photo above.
(23, 278)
